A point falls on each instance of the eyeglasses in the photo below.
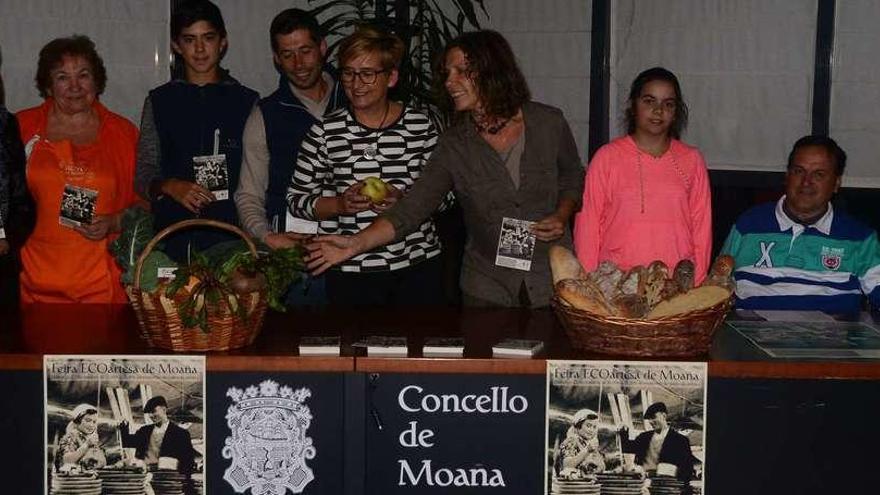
(367, 76)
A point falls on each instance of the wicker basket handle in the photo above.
(185, 224)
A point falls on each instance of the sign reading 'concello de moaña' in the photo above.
(482, 433)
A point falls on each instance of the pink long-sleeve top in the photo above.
(638, 208)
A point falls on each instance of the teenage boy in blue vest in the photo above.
(189, 153)
(801, 253)
(306, 93)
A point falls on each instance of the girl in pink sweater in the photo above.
(647, 195)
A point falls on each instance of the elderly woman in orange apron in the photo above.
(80, 172)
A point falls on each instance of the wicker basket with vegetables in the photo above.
(214, 302)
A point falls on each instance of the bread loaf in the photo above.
(583, 295)
(564, 264)
(684, 275)
(607, 276)
(657, 273)
(629, 306)
(670, 290)
(702, 297)
(633, 282)
(721, 273)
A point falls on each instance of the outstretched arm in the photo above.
(328, 251)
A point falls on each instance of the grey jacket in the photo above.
(550, 170)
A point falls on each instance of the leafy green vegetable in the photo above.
(281, 267)
(150, 272)
(213, 270)
(136, 232)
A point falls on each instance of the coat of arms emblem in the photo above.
(268, 446)
(831, 258)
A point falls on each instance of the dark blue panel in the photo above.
(792, 436)
(325, 430)
(21, 428)
(475, 442)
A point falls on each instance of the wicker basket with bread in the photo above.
(644, 311)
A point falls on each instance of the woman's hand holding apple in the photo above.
(392, 195)
(352, 201)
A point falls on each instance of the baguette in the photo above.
(702, 297)
(564, 264)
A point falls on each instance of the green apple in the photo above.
(375, 189)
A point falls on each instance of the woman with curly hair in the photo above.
(509, 161)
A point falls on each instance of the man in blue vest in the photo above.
(275, 128)
(189, 153)
(800, 253)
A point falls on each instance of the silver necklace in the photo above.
(372, 150)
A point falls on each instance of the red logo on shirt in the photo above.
(831, 261)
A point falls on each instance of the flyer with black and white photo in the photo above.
(625, 427)
(516, 244)
(77, 206)
(212, 174)
(124, 424)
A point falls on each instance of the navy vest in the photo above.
(186, 116)
(287, 122)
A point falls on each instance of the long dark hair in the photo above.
(679, 120)
(493, 69)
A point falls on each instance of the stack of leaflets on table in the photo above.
(517, 348)
(443, 347)
(319, 346)
(382, 346)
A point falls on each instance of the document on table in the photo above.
(781, 315)
(812, 340)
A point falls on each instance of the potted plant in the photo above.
(425, 26)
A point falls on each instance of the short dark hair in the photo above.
(155, 402)
(826, 142)
(653, 409)
(679, 120)
(289, 20)
(499, 81)
(52, 55)
(190, 12)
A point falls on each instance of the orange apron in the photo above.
(59, 264)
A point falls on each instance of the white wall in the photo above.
(855, 99)
(249, 57)
(131, 36)
(746, 65)
(746, 69)
(551, 39)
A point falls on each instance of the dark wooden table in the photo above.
(775, 426)
(28, 334)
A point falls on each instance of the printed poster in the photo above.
(625, 428)
(124, 425)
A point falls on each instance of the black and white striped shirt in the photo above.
(331, 159)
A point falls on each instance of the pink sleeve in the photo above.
(587, 228)
(700, 202)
